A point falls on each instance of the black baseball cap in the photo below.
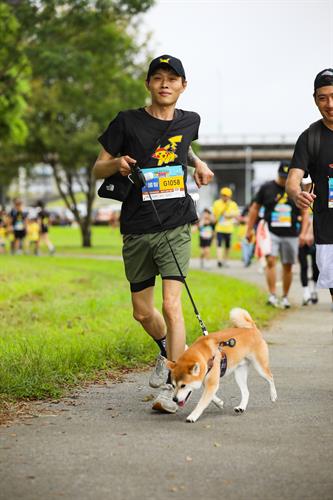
(173, 62)
(325, 77)
(284, 169)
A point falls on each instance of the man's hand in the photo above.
(202, 174)
(309, 240)
(249, 235)
(302, 239)
(304, 200)
(124, 164)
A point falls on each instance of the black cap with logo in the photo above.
(325, 77)
(174, 63)
(284, 169)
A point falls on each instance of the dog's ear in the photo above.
(195, 370)
(170, 364)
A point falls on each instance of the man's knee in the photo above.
(287, 268)
(270, 261)
(143, 315)
(171, 308)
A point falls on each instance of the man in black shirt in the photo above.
(157, 138)
(18, 225)
(282, 217)
(44, 222)
(319, 164)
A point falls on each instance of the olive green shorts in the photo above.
(147, 255)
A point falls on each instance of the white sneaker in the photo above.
(306, 298)
(314, 297)
(285, 304)
(160, 374)
(273, 301)
(164, 401)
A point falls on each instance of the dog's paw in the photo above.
(191, 419)
(274, 398)
(239, 409)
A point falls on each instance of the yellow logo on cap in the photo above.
(165, 60)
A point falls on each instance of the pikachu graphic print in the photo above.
(167, 180)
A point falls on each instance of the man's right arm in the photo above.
(107, 165)
(302, 198)
(253, 215)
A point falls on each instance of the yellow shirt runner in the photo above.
(225, 213)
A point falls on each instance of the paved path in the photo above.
(105, 443)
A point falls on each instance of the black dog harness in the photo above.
(224, 364)
(224, 359)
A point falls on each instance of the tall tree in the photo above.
(14, 91)
(87, 65)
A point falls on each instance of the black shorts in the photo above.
(223, 237)
(205, 242)
(19, 235)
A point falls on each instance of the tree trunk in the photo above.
(86, 236)
(67, 193)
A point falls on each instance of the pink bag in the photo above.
(263, 240)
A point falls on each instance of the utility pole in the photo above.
(248, 174)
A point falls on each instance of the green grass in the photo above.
(108, 241)
(64, 319)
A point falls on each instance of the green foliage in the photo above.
(86, 66)
(14, 80)
(64, 319)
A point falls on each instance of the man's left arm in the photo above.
(304, 227)
(202, 174)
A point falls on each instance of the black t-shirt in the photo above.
(18, 219)
(321, 171)
(281, 212)
(136, 133)
(44, 219)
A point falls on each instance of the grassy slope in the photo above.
(62, 319)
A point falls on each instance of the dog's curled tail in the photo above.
(240, 318)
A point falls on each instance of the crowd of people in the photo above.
(272, 227)
(23, 232)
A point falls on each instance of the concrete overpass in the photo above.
(231, 158)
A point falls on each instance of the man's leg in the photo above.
(227, 243)
(287, 277)
(288, 254)
(152, 321)
(303, 252)
(146, 314)
(173, 315)
(270, 271)
(219, 249)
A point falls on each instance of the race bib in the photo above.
(206, 232)
(19, 225)
(167, 183)
(330, 192)
(281, 216)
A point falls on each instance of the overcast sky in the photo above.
(250, 64)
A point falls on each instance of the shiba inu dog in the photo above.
(200, 364)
